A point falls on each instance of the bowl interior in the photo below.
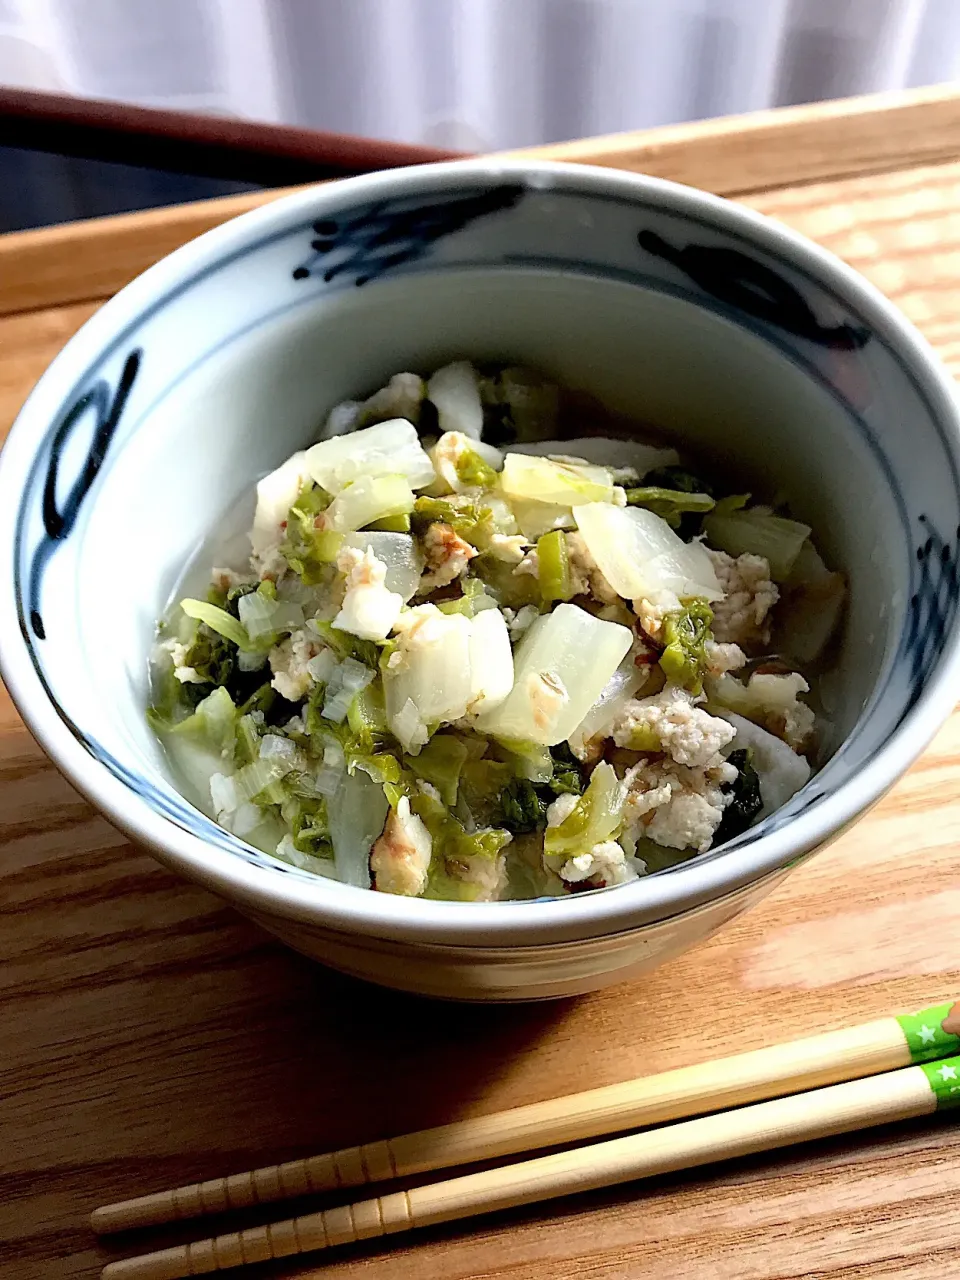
(735, 343)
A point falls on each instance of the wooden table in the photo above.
(150, 1036)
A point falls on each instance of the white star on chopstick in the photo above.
(927, 1035)
(947, 1072)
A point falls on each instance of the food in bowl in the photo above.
(462, 664)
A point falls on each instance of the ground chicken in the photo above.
(586, 575)
(447, 556)
(269, 564)
(786, 716)
(369, 610)
(417, 625)
(741, 617)
(672, 722)
(178, 653)
(400, 858)
(521, 621)
(606, 864)
(561, 809)
(288, 662)
(675, 806)
(722, 658)
(510, 548)
(226, 579)
(530, 564)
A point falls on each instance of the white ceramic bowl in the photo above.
(724, 328)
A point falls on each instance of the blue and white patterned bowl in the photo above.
(707, 320)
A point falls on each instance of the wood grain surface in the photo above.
(151, 1037)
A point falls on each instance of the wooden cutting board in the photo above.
(149, 1036)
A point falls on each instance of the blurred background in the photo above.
(465, 75)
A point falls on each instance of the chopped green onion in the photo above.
(473, 470)
(310, 827)
(475, 599)
(685, 633)
(391, 524)
(671, 504)
(464, 516)
(554, 567)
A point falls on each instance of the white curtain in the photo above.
(476, 74)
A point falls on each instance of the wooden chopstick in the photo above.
(840, 1108)
(848, 1054)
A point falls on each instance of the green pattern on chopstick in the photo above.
(926, 1038)
(944, 1080)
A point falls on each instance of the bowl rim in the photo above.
(360, 911)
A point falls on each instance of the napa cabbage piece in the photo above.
(760, 533)
(217, 619)
(356, 814)
(597, 816)
(640, 555)
(491, 661)
(532, 761)
(455, 391)
(616, 693)
(531, 478)
(265, 618)
(427, 678)
(811, 607)
(387, 449)
(276, 494)
(201, 745)
(606, 451)
(534, 519)
(368, 499)
(561, 666)
(442, 666)
(440, 763)
(399, 552)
